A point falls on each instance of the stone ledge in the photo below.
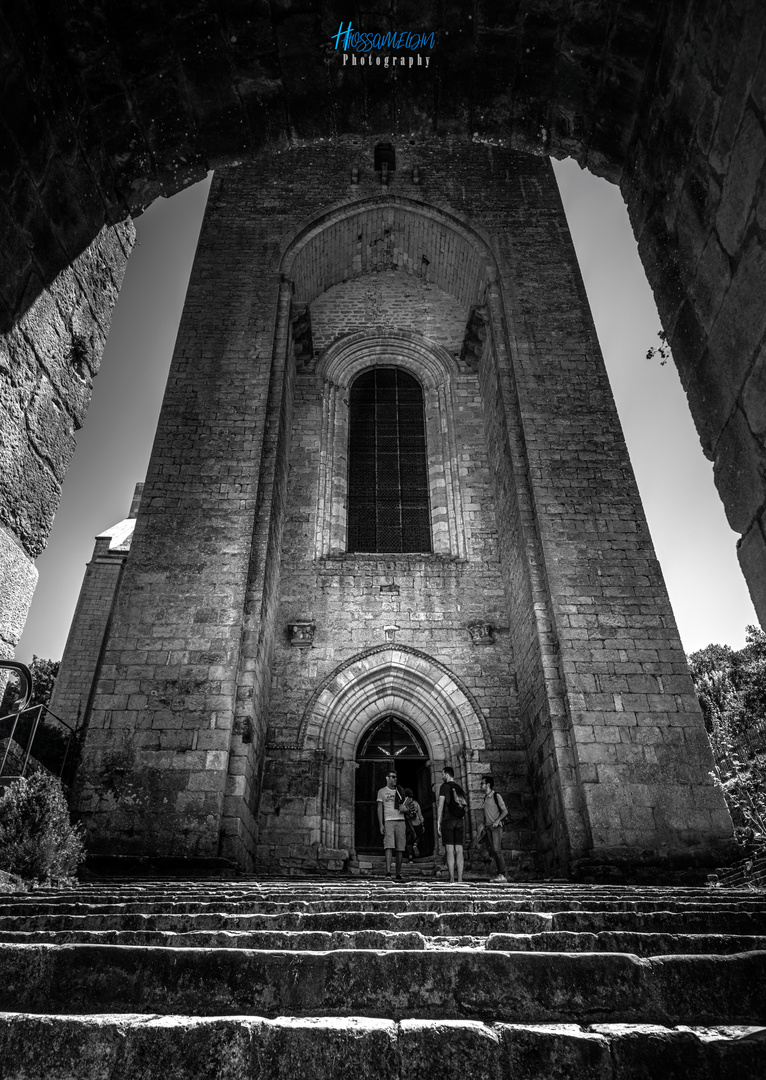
(126, 866)
(455, 984)
(174, 1048)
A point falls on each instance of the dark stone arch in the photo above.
(109, 106)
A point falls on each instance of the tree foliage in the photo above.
(731, 687)
(661, 351)
(37, 840)
(44, 674)
(51, 745)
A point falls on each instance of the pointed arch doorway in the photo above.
(388, 744)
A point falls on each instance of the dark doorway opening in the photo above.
(391, 743)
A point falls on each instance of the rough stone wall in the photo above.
(108, 106)
(394, 299)
(437, 598)
(636, 751)
(154, 771)
(532, 632)
(665, 98)
(47, 363)
(245, 770)
(604, 700)
(694, 185)
(82, 653)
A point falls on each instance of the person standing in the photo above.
(392, 823)
(450, 816)
(495, 813)
(413, 824)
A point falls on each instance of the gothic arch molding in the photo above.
(336, 246)
(347, 357)
(370, 681)
(331, 248)
(435, 369)
(385, 680)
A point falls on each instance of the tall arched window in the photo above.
(388, 503)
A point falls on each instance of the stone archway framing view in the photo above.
(553, 612)
(642, 96)
(181, 708)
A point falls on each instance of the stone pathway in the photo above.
(242, 979)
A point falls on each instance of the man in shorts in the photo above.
(449, 826)
(495, 813)
(392, 823)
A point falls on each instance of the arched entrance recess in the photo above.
(219, 112)
(388, 681)
(389, 745)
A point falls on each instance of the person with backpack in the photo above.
(450, 815)
(495, 813)
(414, 824)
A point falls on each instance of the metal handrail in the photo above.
(25, 676)
(39, 710)
(20, 708)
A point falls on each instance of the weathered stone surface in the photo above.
(751, 552)
(209, 730)
(647, 1051)
(104, 1040)
(124, 108)
(179, 1048)
(182, 1046)
(526, 987)
(18, 578)
(740, 472)
(48, 361)
(557, 1051)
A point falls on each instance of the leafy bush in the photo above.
(44, 674)
(744, 787)
(731, 687)
(37, 841)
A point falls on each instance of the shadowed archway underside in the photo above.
(109, 106)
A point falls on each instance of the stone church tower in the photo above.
(390, 514)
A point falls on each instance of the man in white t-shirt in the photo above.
(392, 824)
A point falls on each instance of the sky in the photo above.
(694, 544)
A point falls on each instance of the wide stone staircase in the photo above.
(240, 979)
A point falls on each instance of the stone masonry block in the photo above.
(740, 472)
(754, 396)
(18, 577)
(751, 552)
(739, 327)
(746, 171)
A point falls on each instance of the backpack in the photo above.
(406, 805)
(457, 801)
(499, 807)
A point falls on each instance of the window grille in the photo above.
(388, 503)
(391, 738)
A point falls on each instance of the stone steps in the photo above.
(399, 901)
(449, 923)
(640, 944)
(526, 987)
(245, 979)
(189, 1048)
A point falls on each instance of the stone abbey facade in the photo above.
(390, 514)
